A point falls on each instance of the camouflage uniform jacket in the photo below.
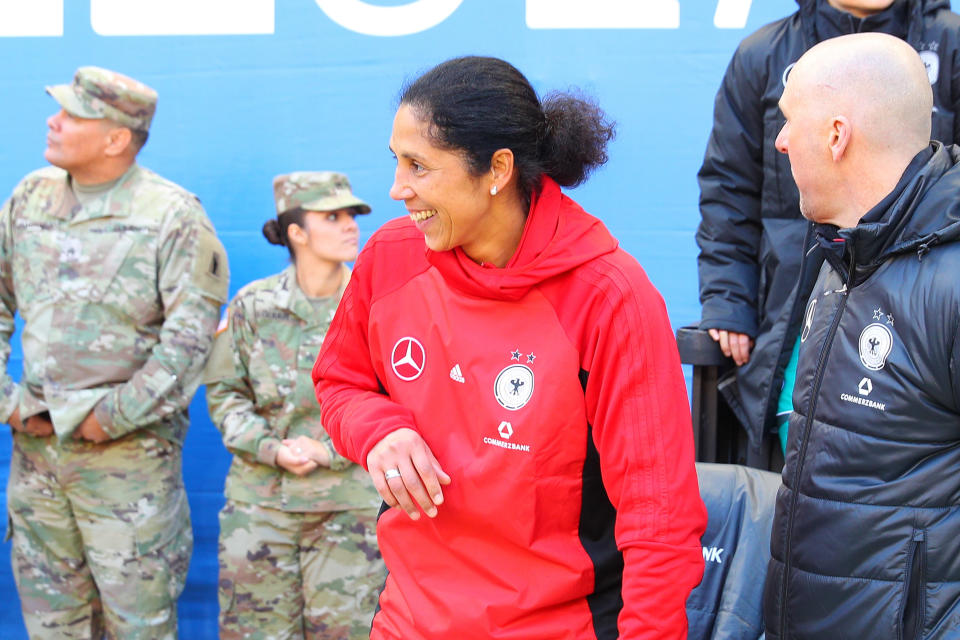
(259, 391)
(119, 298)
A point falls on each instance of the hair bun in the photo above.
(271, 231)
(575, 137)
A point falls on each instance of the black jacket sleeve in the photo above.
(730, 180)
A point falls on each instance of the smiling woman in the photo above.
(453, 153)
(516, 381)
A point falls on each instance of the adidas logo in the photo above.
(456, 374)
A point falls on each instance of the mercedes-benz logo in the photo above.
(408, 358)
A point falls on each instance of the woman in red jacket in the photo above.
(516, 381)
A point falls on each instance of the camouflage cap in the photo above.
(315, 191)
(100, 93)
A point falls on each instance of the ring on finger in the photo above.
(391, 473)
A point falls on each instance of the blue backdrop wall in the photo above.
(252, 88)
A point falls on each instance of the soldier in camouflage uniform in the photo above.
(298, 551)
(118, 277)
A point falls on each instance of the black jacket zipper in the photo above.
(802, 452)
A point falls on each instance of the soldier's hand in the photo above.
(296, 463)
(734, 345)
(38, 426)
(312, 449)
(14, 420)
(404, 469)
(91, 430)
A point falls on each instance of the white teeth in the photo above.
(420, 216)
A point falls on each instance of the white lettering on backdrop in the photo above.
(252, 17)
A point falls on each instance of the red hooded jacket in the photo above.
(551, 393)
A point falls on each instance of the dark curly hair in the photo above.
(478, 105)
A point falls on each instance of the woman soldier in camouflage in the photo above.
(298, 553)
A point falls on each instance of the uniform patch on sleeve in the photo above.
(211, 272)
(215, 265)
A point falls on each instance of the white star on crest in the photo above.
(530, 358)
(878, 314)
(515, 354)
(890, 319)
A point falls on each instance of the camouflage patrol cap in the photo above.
(315, 191)
(100, 93)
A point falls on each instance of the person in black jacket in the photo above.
(866, 531)
(752, 237)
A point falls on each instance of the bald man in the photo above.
(866, 536)
(755, 272)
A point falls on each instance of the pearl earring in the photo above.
(493, 190)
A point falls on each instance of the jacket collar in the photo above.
(921, 211)
(106, 205)
(289, 296)
(903, 19)
(833, 22)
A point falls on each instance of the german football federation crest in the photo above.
(876, 342)
(514, 386)
(932, 62)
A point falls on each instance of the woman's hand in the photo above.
(37, 426)
(404, 470)
(89, 430)
(312, 449)
(296, 463)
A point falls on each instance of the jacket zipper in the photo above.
(801, 454)
(913, 588)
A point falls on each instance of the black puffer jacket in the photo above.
(752, 236)
(866, 534)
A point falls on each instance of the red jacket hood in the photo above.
(558, 236)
